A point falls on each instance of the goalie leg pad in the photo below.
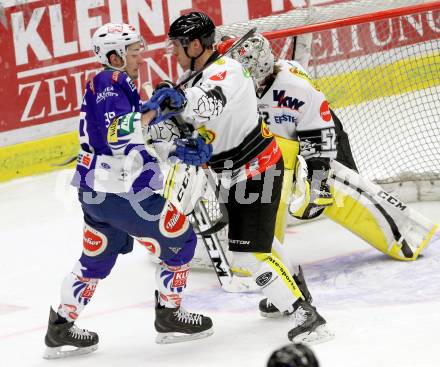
(184, 186)
(289, 150)
(272, 277)
(376, 216)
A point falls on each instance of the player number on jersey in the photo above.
(328, 137)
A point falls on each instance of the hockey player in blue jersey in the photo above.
(117, 180)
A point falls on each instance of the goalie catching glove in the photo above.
(311, 193)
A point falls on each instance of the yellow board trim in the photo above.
(38, 156)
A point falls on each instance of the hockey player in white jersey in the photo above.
(314, 144)
(222, 106)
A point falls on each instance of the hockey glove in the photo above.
(167, 102)
(193, 151)
(311, 192)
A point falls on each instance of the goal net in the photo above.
(378, 63)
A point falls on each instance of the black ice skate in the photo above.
(267, 308)
(175, 325)
(62, 337)
(310, 326)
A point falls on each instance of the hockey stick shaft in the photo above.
(238, 44)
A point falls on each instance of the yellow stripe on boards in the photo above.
(38, 156)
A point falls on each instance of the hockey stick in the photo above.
(228, 281)
(237, 44)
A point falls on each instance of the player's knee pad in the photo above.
(76, 293)
(171, 282)
(95, 267)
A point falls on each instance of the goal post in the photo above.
(378, 63)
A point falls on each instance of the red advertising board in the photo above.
(46, 55)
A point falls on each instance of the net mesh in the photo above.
(381, 76)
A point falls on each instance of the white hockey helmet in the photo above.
(114, 37)
(256, 55)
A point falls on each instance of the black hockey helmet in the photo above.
(293, 355)
(191, 26)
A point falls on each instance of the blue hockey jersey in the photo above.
(113, 157)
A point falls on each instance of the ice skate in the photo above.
(65, 339)
(310, 326)
(175, 325)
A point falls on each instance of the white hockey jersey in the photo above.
(294, 107)
(222, 105)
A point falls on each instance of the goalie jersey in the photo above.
(294, 108)
(113, 157)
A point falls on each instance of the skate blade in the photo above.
(170, 338)
(57, 352)
(320, 335)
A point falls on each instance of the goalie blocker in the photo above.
(368, 211)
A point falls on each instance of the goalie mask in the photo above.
(114, 37)
(256, 55)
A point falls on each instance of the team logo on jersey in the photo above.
(84, 159)
(206, 134)
(94, 241)
(106, 93)
(325, 112)
(220, 61)
(219, 76)
(115, 76)
(172, 223)
(279, 119)
(303, 75)
(265, 132)
(150, 244)
(282, 100)
(131, 84)
(126, 123)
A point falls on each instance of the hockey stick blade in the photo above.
(237, 44)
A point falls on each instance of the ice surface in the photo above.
(384, 313)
